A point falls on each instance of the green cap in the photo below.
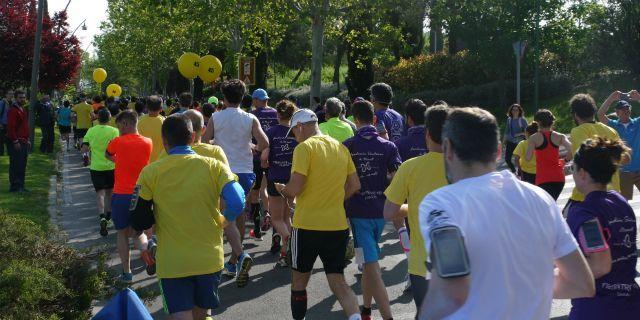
(213, 100)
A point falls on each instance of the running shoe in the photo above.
(244, 262)
(275, 243)
(252, 234)
(126, 277)
(282, 262)
(229, 270)
(407, 283)
(266, 222)
(85, 160)
(103, 226)
(149, 257)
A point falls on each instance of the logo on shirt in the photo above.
(438, 218)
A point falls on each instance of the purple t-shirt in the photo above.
(374, 158)
(268, 118)
(413, 145)
(280, 152)
(393, 123)
(617, 293)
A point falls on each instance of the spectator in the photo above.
(334, 127)
(5, 105)
(514, 133)
(18, 134)
(46, 115)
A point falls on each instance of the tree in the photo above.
(60, 52)
(628, 12)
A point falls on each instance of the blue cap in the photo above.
(622, 104)
(260, 94)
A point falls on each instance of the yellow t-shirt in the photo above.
(83, 111)
(326, 163)
(205, 150)
(586, 131)
(416, 178)
(185, 190)
(521, 151)
(151, 127)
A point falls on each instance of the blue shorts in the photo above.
(246, 181)
(183, 294)
(120, 210)
(366, 235)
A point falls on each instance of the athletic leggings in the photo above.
(553, 188)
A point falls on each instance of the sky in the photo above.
(95, 11)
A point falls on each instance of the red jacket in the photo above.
(17, 124)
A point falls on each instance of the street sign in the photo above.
(247, 70)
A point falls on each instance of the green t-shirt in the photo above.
(337, 129)
(98, 138)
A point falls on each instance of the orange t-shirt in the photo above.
(131, 153)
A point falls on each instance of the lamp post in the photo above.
(84, 27)
(536, 57)
(35, 68)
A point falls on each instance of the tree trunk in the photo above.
(317, 50)
(295, 79)
(337, 62)
(261, 70)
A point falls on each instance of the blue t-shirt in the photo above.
(374, 158)
(617, 288)
(414, 144)
(64, 116)
(280, 152)
(393, 123)
(630, 134)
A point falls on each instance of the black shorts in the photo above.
(529, 177)
(64, 129)
(102, 179)
(553, 188)
(271, 187)
(80, 133)
(307, 245)
(260, 172)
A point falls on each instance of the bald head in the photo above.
(197, 120)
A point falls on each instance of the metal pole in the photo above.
(518, 79)
(537, 57)
(34, 72)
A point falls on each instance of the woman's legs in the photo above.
(508, 155)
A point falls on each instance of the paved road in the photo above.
(267, 294)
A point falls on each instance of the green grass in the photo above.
(284, 79)
(32, 205)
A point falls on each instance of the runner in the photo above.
(233, 129)
(514, 133)
(96, 140)
(526, 169)
(130, 152)
(612, 258)
(415, 143)
(376, 160)
(278, 159)
(323, 176)
(545, 145)
(64, 121)
(185, 102)
(268, 118)
(185, 210)
(334, 127)
(408, 185)
(150, 125)
(389, 120)
(477, 237)
(583, 111)
(84, 116)
(629, 129)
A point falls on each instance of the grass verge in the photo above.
(32, 205)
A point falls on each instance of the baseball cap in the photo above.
(213, 100)
(623, 104)
(302, 116)
(381, 93)
(260, 94)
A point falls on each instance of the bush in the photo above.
(436, 72)
(43, 279)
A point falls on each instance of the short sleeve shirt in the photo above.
(83, 112)
(151, 127)
(64, 116)
(131, 153)
(186, 213)
(281, 149)
(413, 144)
(586, 131)
(326, 164)
(98, 138)
(336, 129)
(393, 123)
(415, 179)
(495, 232)
(630, 133)
(521, 151)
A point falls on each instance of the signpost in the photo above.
(519, 48)
(247, 70)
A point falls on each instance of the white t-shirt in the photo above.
(513, 232)
(232, 131)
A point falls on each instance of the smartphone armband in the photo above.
(449, 252)
(591, 237)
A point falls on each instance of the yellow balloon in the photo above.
(99, 75)
(114, 90)
(210, 68)
(188, 65)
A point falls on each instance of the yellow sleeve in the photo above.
(577, 138)
(301, 160)
(397, 191)
(144, 184)
(219, 155)
(222, 174)
(351, 167)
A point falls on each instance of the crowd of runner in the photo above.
(181, 177)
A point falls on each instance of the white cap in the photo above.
(302, 116)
